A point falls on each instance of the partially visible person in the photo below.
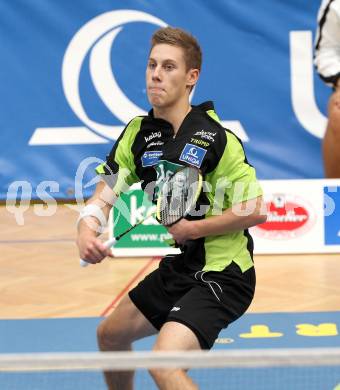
(327, 62)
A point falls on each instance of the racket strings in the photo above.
(179, 195)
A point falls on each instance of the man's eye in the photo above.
(152, 65)
(169, 67)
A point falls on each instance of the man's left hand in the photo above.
(183, 230)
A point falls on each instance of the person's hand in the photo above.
(183, 230)
(92, 249)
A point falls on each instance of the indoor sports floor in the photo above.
(48, 303)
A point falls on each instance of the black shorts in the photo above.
(206, 302)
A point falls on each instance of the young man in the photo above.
(327, 62)
(191, 296)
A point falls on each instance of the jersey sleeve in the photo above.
(119, 170)
(327, 43)
(234, 179)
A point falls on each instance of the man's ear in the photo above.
(192, 77)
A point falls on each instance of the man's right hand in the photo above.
(92, 249)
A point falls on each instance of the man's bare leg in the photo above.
(331, 141)
(174, 336)
(116, 333)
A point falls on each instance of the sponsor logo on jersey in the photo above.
(288, 216)
(193, 155)
(175, 308)
(208, 135)
(157, 143)
(199, 142)
(151, 158)
(155, 134)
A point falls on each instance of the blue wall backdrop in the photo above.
(72, 74)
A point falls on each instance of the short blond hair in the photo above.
(177, 37)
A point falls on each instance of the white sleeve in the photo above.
(327, 42)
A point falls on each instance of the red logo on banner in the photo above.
(287, 217)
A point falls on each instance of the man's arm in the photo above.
(117, 173)
(327, 47)
(90, 225)
(337, 85)
(237, 218)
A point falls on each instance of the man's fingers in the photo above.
(98, 251)
(95, 252)
(103, 249)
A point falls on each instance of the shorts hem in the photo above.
(155, 324)
(202, 341)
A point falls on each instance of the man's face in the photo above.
(167, 79)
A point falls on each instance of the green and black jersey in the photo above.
(147, 151)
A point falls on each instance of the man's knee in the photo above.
(162, 375)
(111, 337)
(172, 378)
(125, 325)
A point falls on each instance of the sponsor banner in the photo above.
(303, 217)
(332, 215)
(68, 94)
(147, 239)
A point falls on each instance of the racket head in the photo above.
(178, 195)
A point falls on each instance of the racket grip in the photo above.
(108, 244)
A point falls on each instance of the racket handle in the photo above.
(108, 244)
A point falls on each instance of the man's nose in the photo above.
(156, 74)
